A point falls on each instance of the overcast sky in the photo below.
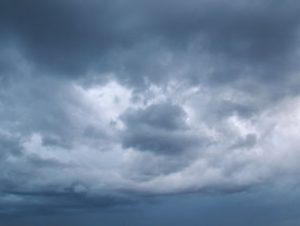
(149, 112)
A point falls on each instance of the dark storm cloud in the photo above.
(62, 138)
(72, 37)
(51, 202)
(45, 115)
(9, 145)
(257, 31)
(59, 37)
(160, 128)
(242, 40)
(164, 116)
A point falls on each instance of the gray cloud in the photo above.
(164, 116)
(109, 100)
(160, 128)
(239, 39)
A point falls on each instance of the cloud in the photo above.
(235, 41)
(160, 128)
(120, 100)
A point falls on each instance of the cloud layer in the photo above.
(113, 100)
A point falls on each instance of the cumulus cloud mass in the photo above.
(105, 102)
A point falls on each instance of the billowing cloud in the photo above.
(160, 128)
(113, 100)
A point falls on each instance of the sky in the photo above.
(139, 112)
